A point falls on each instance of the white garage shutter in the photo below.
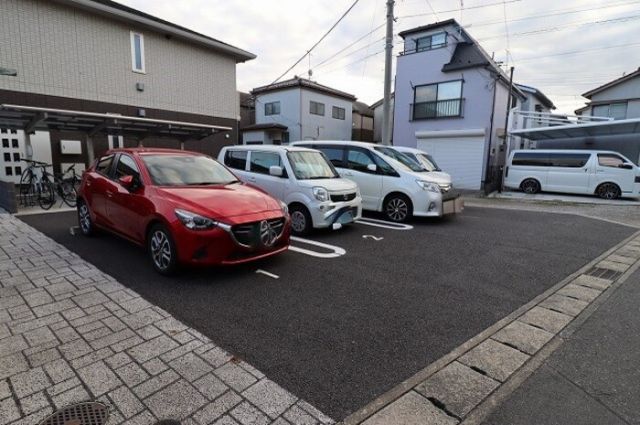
(460, 156)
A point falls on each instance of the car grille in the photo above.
(343, 197)
(444, 188)
(249, 234)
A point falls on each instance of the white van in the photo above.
(386, 184)
(302, 178)
(428, 163)
(604, 173)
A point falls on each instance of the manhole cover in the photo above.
(92, 413)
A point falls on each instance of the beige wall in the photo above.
(62, 51)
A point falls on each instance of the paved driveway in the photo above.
(340, 331)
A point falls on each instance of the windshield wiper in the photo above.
(202, 183)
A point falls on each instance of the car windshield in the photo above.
(311, 165)
(186, 170)
(405, 160)
(428, 162)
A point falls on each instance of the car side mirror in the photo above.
(626, 166)
(128, 182)
(372, 167)
(275, 170)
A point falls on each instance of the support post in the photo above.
(386, 105)
(28, 148)
(507, 144)
(90, 151)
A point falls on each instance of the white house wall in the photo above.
(289, 110)
(317, 127)
(64, 51)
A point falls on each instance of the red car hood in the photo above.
(218, 202)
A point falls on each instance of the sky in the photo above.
(562, 48)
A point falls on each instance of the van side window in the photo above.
(236, 159)
(610, 160)
(359, 159)
(569, 160)
(536, 159)
(334, 153)
(262, 161)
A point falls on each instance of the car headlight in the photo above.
(194, 221)
(320, 193)
(284, 208)
(431, 187)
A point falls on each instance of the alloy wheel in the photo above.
(298, 221)
(608, 191)
(397, 209)
(161, 250)
(85, 219)
(530, 186)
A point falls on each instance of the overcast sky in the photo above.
(570, 50)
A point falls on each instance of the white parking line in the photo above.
(384, 224)
(337, 251)
(266, 273)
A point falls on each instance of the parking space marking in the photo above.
(375, 238)
(384, 224)
(337, 251)
(266, 273)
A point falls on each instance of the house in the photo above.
(377, 118)
(308, 111)
(247, 109)
(362, 126)
(609, 121)
(618, 99)
(101, 57)
(451, 101)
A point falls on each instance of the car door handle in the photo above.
(109, 194)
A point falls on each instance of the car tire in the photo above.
(397, 208)
(301, 222)
(530, 186)
(608, 191)
(162, 250)
(85, 223)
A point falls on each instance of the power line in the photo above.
(576, 52)
(318, 42)
(351, 45)
(466, 8)
(432, 10)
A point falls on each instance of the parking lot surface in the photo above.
(344, 325)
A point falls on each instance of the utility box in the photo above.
(70, 147)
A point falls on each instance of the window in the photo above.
(236, 159)
(610, 160)
(14, 143)
(104, 165)
(262, 161)
(18, 171)
(569, 160)
(14, 131)
(338, 113)
(137, 52)
(617, 111)
(186, 170)
(5, 143)
(359, 159)
(115, 142)
(438, 100)
(316, 108)
(272, 108)
(3, 130)
(8, 171)
(127, 167)
(7, 157)
(431, 42)
(535, 159)
(16, 157)
(333, 153)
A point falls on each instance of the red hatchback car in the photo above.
(185, 207)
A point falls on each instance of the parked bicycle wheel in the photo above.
(26, 187)
(46, 195)
(69, 192)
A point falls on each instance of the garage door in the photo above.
(461, 157)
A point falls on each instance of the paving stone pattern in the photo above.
(70, 333)
(452, 392)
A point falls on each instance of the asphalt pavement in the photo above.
(340, 331)
(592, 379)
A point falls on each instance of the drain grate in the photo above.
(603, 273)
(92, 413)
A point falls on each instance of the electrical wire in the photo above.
(318, 42)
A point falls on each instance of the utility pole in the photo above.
(507, 142)
(386, 105)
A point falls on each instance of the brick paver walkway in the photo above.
(70, 333)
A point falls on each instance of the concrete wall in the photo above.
(64, 51)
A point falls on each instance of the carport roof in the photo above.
(31, 118)
(606, 128)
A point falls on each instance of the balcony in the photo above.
(450, 108)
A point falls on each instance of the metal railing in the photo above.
(437, 109)
(546, 119)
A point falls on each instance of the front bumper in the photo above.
(326, 214)
(219, 246)
(437, 205)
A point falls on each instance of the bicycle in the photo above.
(31, 188)
(65, 187)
